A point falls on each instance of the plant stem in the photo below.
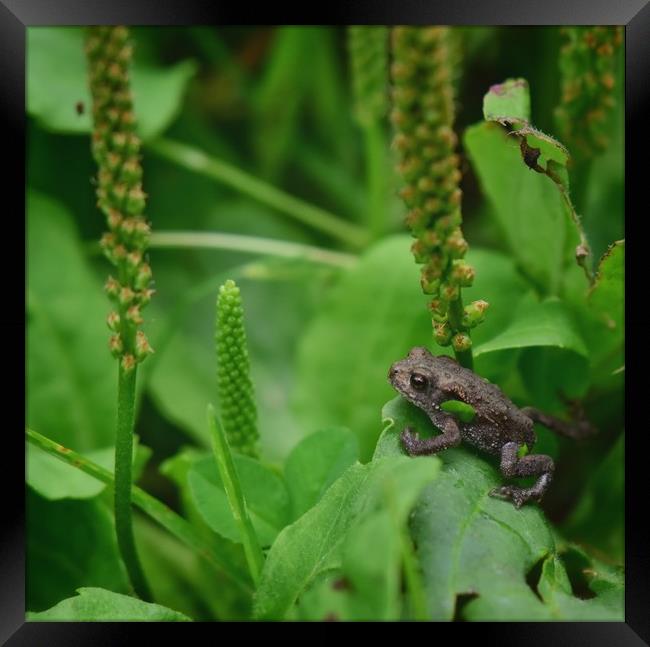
(123, 481)
(231, 485)
(409, 562)
(413, 579)
(376, 177)
(465, 358)
(252, 244)
(157, 510)
(216, 169)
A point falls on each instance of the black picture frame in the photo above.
(16, 15)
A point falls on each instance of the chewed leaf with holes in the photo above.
(482, 549)
(508, 103)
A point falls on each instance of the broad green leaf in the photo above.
(373, 317)
(97, 605)
(471, 543)
(57, 81)
(71, 376)
(327, 536)
(266, 497)
(53, 479)
(315, 463)
(69, 544)
(544, 323)
(529, 207)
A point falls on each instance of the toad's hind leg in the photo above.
(532, 465)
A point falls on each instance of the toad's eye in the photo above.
(419, 382)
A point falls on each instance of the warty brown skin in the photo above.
(498, 428)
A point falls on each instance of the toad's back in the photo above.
(497, 419)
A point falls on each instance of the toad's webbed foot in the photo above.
(531, 465)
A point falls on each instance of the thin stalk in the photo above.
(412, 576)
(124, 481)
(232, 486)
(376, 177)
(252, 244)
(151, 506)
(216, 169)
(465, 357)
(413, 579)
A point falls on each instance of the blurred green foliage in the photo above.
(277, 103)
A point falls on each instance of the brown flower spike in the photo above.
(423, 116)
(116, 149)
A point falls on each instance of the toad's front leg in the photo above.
(532, 465)
(450, 437)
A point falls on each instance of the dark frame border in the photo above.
(16, 15)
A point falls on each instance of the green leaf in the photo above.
(463, 411)
(57, 81)
(54, 479)
(471, 543)
(554, 357)
(97, 605)
(552, 375)
(519, 196)
(69, 544)
(508, 103)
(315, 463)
(374, 316)
(327, 536)
(71, 376)
(599, 314)
(556, 591)
(508, 100)
(606, 296)
(177, 468)
(544, 323)
(265, 493)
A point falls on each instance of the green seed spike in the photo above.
(234, 386)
